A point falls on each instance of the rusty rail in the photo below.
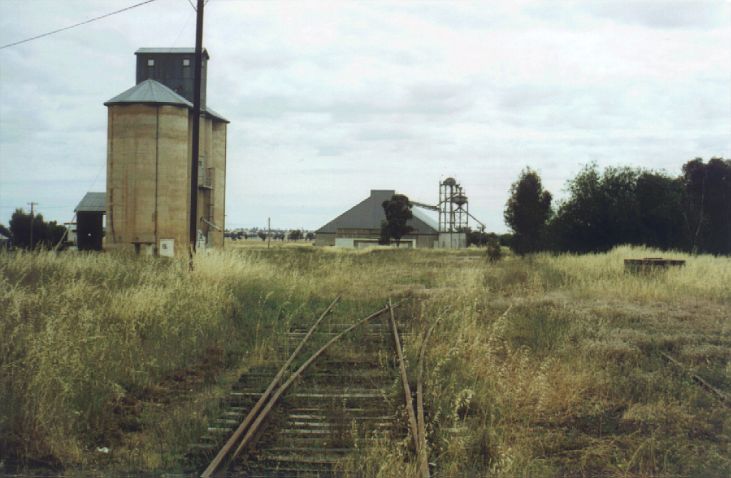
(257, 415)
(404, 381)
(223, 452)
(699, 380)
(423, 458)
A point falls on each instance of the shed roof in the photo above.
(181, 51)
(155, 93)
(93, 202)
(368, 214)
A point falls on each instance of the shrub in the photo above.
(494, 251)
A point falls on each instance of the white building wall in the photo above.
(452, 240)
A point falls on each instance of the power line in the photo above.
(187, 18)
(77, 24)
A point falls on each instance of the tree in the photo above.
(601, 212)
(659, 199)
(398, 212)
(5, 231)
(623, 205)
(262, 235)
(494, 252)
(527, 211)
(479, 238)
(310, 236)
(506, 240)
(295, 235)
(573, 226)
(707, 205)
(44, 234)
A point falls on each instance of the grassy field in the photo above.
(543, 366)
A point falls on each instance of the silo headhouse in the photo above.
(149, 153)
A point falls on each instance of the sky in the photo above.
(328, 100)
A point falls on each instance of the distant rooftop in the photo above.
(369, 213)
(179, 51)
(93, 202)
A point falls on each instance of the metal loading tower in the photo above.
(453, 207)
(454, 215)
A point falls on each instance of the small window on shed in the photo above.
(186, 61)
(150, 62)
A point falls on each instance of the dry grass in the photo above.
(568, 381)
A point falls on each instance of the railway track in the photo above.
(338, 390)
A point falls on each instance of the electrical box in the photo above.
(167, 247)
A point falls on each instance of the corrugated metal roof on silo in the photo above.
(151, 92)
(154, 92)
(215, 115)
(93, 202)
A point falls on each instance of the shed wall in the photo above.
(89, 231)
(328, 239)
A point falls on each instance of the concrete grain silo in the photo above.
(149, 151)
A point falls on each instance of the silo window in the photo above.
(150, 62)
(186, 61)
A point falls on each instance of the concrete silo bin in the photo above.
(148, 169)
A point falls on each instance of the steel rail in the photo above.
(221, 455)
(423, 458)
(405, 381)
(699, 380)
(261, 416)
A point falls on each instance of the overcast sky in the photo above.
(328, 100)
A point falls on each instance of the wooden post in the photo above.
(32, 215)
(196, 128)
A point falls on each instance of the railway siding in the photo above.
(347, 395)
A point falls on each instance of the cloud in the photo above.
(670, 14)
(328, 100)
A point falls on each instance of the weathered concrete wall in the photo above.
(173, 185)
(147, 176)
(149, 148)
(212, 174)
(325, 239)
(218, 162)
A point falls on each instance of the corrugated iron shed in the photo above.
(368, 214)
(93, 202)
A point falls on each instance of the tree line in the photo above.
(45, 234)
(623, 205)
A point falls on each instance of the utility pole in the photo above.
(32, 215)
(196, 130)
(269, 232)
